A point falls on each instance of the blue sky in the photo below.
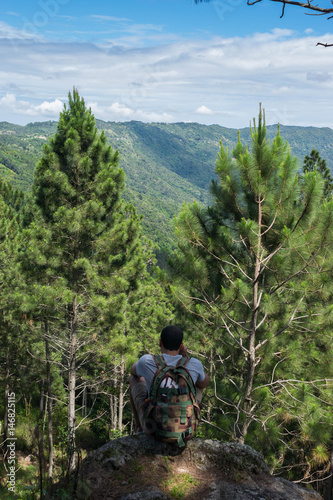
(165, 60)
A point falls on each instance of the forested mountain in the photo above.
(165, 164)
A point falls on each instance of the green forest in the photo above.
(166, 164)
(87, 284)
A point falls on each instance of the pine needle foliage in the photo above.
(82, 253)
(251, 270)
(314, 162)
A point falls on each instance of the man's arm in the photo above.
(204, 383)
(133, 369)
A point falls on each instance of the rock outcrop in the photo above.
(139, 468)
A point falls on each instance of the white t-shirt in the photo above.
(147, 368)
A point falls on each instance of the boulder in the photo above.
(140, 468)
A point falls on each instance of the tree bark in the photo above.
(49, 405)
(121, 394)
(251, 359)
(72, 384)
(114, 401)
(84, 401)
(211, 375)
(40, 439)
(113, 412)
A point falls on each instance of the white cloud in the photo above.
(203, 110)
(8, 32)
(8, 100)
(169, 82)
(8, 103)
(109, 18)
(49, 110)
(120, 112)
(283, 90)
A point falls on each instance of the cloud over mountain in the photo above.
(126, 79)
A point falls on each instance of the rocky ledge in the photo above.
(139, 468)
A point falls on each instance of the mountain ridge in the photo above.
(165, 164)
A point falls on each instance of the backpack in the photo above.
(172, 413)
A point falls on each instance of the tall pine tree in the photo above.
(83, 240)
(11, 203)
(250, 270)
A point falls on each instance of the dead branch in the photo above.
(320, 11)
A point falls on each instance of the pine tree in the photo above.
(83, 240)
(314, 162)
(11, 202)
(250, 269)
(147, 309)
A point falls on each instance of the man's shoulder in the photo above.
(146, 358)
(195, 361)
(195, 366)
(145, 365)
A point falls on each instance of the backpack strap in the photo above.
(162, 369)
(183, 361)
(159, 360)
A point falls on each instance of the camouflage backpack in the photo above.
(172, 412)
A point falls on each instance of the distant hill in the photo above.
(165, 164)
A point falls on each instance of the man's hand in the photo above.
(133, 370)
(183, 349)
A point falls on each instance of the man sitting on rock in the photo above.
(143, 372)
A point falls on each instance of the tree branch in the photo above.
(305, 5)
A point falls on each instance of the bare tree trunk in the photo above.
(72, 385)
(114, 406)
(84, 400)
(251, 358)
(27, 405)
(121, 394)
(49, 405)
(114, 412)
(211, 369)
(40, 439)
(112, 416)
